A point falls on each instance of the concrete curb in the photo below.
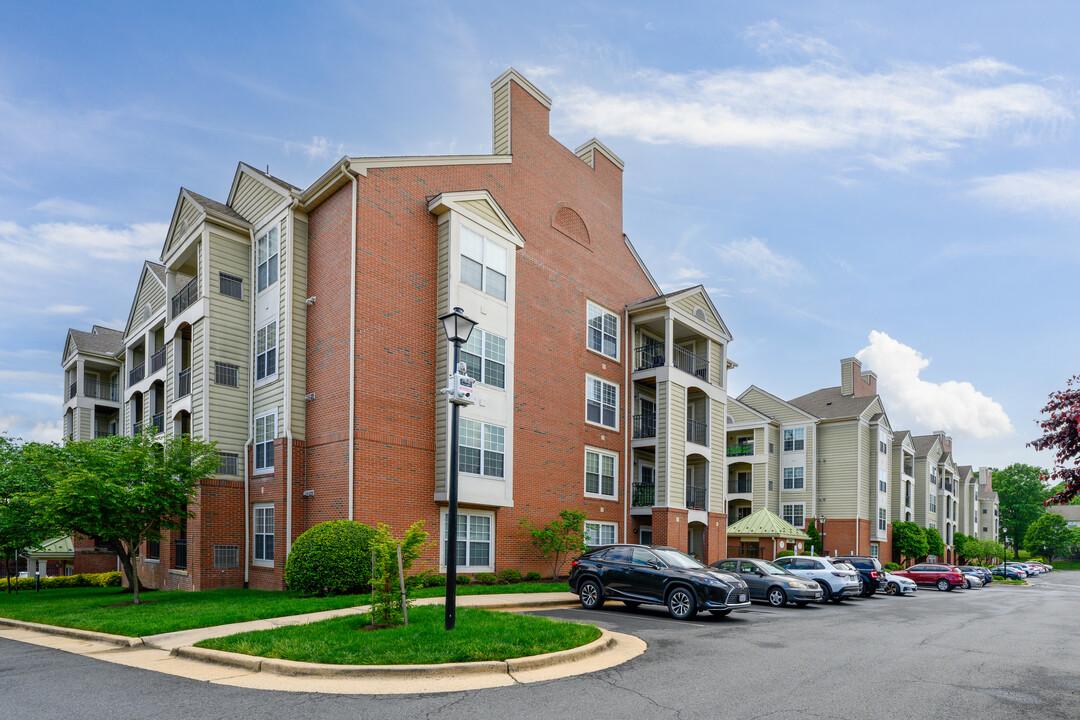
(90, 635)
(220, 657)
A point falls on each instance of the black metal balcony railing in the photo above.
(102, 390)
(73, 389)
(740, 450)
(137, 428)
(645, 426)
(643, 494)
(691, 363)
(182, 300)
(697, 432)
(136, 374)
(158, 421)
(183, 383)
(736, 485)
(180, 554)
(102, 433)
(695, 497)
(948, 486)
(157, 361)
(648, 356)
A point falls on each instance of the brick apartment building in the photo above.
(298, 329)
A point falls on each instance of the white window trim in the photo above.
(618, 331)
(498, 242)
(793, 440)
(262, 506)
(258, 238)
(641, 531)
(443, 518)
(484, 425)
(483, 359)
(618, 390)
(783, 480)
(615, 485)
(599, 524)
(799, 504)
(277, 352)
(256, 470)
(883, 520)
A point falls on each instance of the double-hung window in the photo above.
(933, 501)
(265, 432)
(794, 478)
(481, 448)
(474, 540)
(603, 331)
(601, 402)
(882, 482)
(793, 514)
(600, 470)
(485, 358)
(794, 439)
(881, 519)
(263, 524)
(483, 263)
(882, 447)
(266, 255)
(600, 533)
(266, 351)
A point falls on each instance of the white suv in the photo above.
(837, 579)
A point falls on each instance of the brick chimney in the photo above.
(502, 107)
(856, 382)
(946, 441)
(986, 479)
(868, 385)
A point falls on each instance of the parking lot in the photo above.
(996, 652)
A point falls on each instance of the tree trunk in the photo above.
(132, 576)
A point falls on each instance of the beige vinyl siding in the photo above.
(740, 415)
(254, 200)
(773, 464)
(483, 209)
(150, 292)
(847, 383)
(587, 156)
(84, 428)
(299, 327)
(197, 379)
(501, 120)
(717, 470)
(760, 480)
(768, 406)
(838, 475)
(230, 342)
(676, 434)
(716, 364)
(866, 497)
(920, 491)
(691, 303)
(663, 447)
(268, 395)
(442, 357)
(896, 484)
(189, 213)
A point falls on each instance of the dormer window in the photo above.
(266, 254)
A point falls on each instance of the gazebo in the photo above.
(762, 534)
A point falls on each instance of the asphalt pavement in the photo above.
(996, 652)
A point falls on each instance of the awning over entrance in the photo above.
(764, 523)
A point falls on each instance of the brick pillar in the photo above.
(714, 543)
(670, 527)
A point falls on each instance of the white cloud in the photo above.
(320, 148)
(772, 38)
(67, 208)
(956, 407)
(755, 255)
(28, 251)
(18, 427)
(65, 310)
(1033, 191)
(52, 401)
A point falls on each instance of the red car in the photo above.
(943, 577)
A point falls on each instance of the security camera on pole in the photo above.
(460, 392)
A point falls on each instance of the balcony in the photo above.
(73, 390)
(182, 300)
(648, 356)
(136, 374)
(695, 497)
(183, 383)
(157, 361)
(102, 390)
(740, 485)
(137, 428)
(740, 450)
(645, 426)
(643, 494)
(691, 363)
(158, 422)
(948, 486)
(180, 554)
(102, 433)
(697, 432)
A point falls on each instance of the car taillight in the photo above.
(573, 563)
(873, 574)
(840, 574)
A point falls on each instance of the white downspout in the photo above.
(287, 394)
(352, 337)
(250, 413)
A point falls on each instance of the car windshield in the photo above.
(674, 558)
(773, 568)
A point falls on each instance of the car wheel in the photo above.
(720, 613)
(631, 603)
(681, 604)
(944, 585)
(893, 589)
(777, 597)
(967, 584)
(826, 592)
(591, 596)
(864, 588)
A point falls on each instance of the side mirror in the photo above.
(654, 564)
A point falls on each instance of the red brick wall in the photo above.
(89, 560)
(840, 537)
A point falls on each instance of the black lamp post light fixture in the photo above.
(458, 327)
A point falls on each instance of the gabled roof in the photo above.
(152, 272)
(61, 547)
(785, 403)
(267, 176)
(676, 295)
(925, 443)
(763, 522)
(899, 436)
(983, 495)
(829, 404)
(214, 207)
(476, 204)
(751, 410)
(206, 208)
(99, 341)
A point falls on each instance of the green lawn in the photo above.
(167, 611)
(1059, 563)
(479, 635)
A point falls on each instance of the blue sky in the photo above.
(897, 181)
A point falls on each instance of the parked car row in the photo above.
(642, 574)
(1019, 571)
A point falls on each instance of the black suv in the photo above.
(871, 573)
(640, 574)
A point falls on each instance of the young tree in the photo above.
(934, 543)
(814, 543)
(558, 539)
(909, 540)
(1049, 536)
(991, 551)
(1061, 433)
(1020, 495)
(22, 526)
(387, 603)
(124, 491)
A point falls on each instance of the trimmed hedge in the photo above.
(487, 578)
(785, 553)
(107, 579)
(331, 558)
(890, 567)
(509, 576)
(533, 576)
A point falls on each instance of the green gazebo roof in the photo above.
(763, 523)
(60, 547)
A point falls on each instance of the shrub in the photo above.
(533, 576)
(785, 553)
(464, 580)
(509, 576)
(393, 558)
(107, 579)
(890, 567)
(487, 578)
(332, 558)
(434, 580)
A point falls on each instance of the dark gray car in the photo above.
(772, 583)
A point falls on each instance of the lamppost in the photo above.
(458, 327)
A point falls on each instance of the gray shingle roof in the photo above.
(271, 178)
(159, 270)
(829, 404)
(899, 435)
(992, 495)
(215, 206)
(100, 340)
(923, 443)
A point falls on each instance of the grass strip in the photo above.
(98, 609)
(479, 635)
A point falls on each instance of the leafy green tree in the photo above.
(967, 547)
(991, 551)
(123, 491)
(559, 539)
(22, 525)
(909, 541)
(387, 603)
(1049, 536)
(934, 543)
(814, 543)
(1021, 494)
(1061, 433)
